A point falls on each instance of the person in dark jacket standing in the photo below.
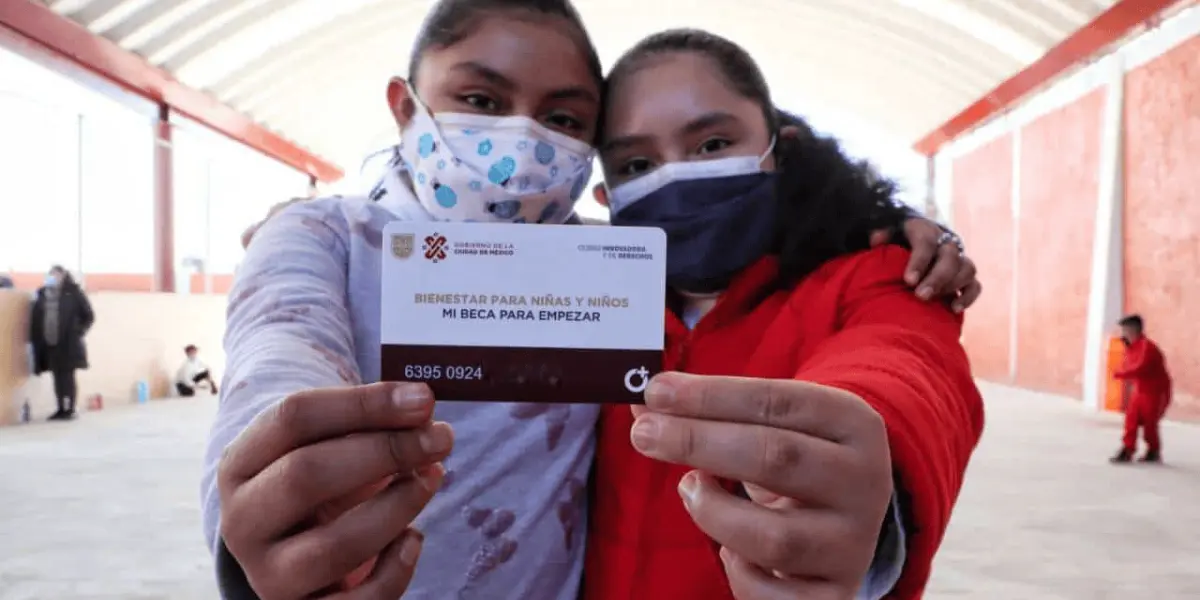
(61, 318)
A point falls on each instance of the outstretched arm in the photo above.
(287, 330)
(903, 357)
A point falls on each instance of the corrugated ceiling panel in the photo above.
(315, 70)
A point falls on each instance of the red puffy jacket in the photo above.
(854, 325)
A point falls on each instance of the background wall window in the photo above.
(117, 152)
(39, 168)
(221, 187)
(77, 168)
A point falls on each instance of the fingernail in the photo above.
(437, 438)
(925, 292)
(411, 396)
(411, 548)
(688, 486)
(644, 434)
(726, 555)
(431, 477)
(661, 392)
(911, 277)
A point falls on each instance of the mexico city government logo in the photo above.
(435, 247)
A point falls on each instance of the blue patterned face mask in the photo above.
(466, 167)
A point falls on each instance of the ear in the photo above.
(400, 101)
(789, 131)
(600, 193)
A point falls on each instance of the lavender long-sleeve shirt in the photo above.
(510, 521)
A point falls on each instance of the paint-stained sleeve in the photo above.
(288, 328)
(903, 357)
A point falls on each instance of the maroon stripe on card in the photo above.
(496, 374)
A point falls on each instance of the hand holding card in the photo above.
(484, 312)
(344, 471)
(815, 464)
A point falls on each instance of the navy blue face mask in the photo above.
(716, 224)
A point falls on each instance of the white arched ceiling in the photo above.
(315, 70)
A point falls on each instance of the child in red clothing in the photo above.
(1145, 370)
(814, 437)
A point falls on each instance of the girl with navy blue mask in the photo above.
(815, 418)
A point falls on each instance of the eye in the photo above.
(564, 122)
(713, 145)
(480, 102)
(633, 167)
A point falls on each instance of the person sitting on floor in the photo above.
(193, 374)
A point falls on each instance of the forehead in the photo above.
(537, 52)
(669, 90)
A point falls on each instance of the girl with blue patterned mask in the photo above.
(496, 119)
(506, 140)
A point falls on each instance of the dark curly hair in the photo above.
(828, 203)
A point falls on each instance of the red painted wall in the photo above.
(1162, 209)
(982, 191)
(119, 282)
(1060, 172)
(221, 284)
(93, 282)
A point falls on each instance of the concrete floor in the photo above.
(106, 507)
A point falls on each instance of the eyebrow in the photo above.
(491, 75)
(501, 80)
(577, 92)
(700, 123)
